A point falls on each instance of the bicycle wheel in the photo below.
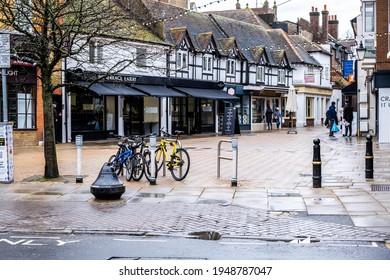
(129, 169)
(115, 164)
(159, 158)
(148, 171)
(179, 165)
(138, 163)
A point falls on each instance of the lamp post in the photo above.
(360, 53)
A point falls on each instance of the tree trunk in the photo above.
(51, 165)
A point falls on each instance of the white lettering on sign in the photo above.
(12, 73)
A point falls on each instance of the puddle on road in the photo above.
(206, 235)
(153, 195)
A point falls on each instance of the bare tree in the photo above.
(54, 30)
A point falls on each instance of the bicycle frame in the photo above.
(164, 150)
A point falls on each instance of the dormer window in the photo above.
(182, 60)
(231, 67)
(207, 64)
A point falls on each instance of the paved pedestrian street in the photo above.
(274, 199)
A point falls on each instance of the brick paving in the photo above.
(274, 185)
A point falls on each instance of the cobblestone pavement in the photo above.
(273, 195)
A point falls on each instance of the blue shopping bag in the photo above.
(335, 127)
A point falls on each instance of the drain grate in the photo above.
(380, 187)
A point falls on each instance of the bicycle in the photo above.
(179, 161)
(121, 158)
(145, 152)
(128, 157)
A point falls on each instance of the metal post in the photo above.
(5, 95)
(317, 164)
(152, 160)
(235, 161)
(79, 144)
(369, 158)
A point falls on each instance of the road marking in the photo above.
(36, 237)
(242, 243)
(139, 240)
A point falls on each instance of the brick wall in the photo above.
(25, 138)
(382, 46)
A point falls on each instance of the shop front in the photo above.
(198, 112)
(261, 98)
(22, 102)
(95, 109)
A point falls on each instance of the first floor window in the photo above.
(260, 74)
(95, 52)
(181, 62)
(231, 67)
(282, 76)
(141, 60)
(208, 64)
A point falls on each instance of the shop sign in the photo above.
(384, 115)
(5, 61)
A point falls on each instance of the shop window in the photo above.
(258, 105)
(21, 107)
(309, 107)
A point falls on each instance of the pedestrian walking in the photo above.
(332, 117)
(268, 116)
(277, 117)
(348, 118)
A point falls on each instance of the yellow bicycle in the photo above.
(178, 161)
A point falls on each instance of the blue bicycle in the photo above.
(127, 157)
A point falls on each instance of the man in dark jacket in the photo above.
(332, 116)
(348, 117)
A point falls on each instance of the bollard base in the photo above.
(152, 182)
(79, 179)
(317, 182)
(107, 192)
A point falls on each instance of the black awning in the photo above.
(350, 89)
(111, 89)
(207, 93)
(158, 91)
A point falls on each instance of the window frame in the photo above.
(95, 52)
(207, 64)
(230, 67)
(282, 76)
(260, 73)
(141, 58)
(182, 60)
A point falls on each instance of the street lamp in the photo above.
(360, 52)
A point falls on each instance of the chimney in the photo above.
(334, 27)
(315, 24)
(238, 6)
(325, 27)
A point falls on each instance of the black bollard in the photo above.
(317, 164)
(107, 184)
(369, 158)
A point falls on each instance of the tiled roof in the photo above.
(246, 15)
(295, 53)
